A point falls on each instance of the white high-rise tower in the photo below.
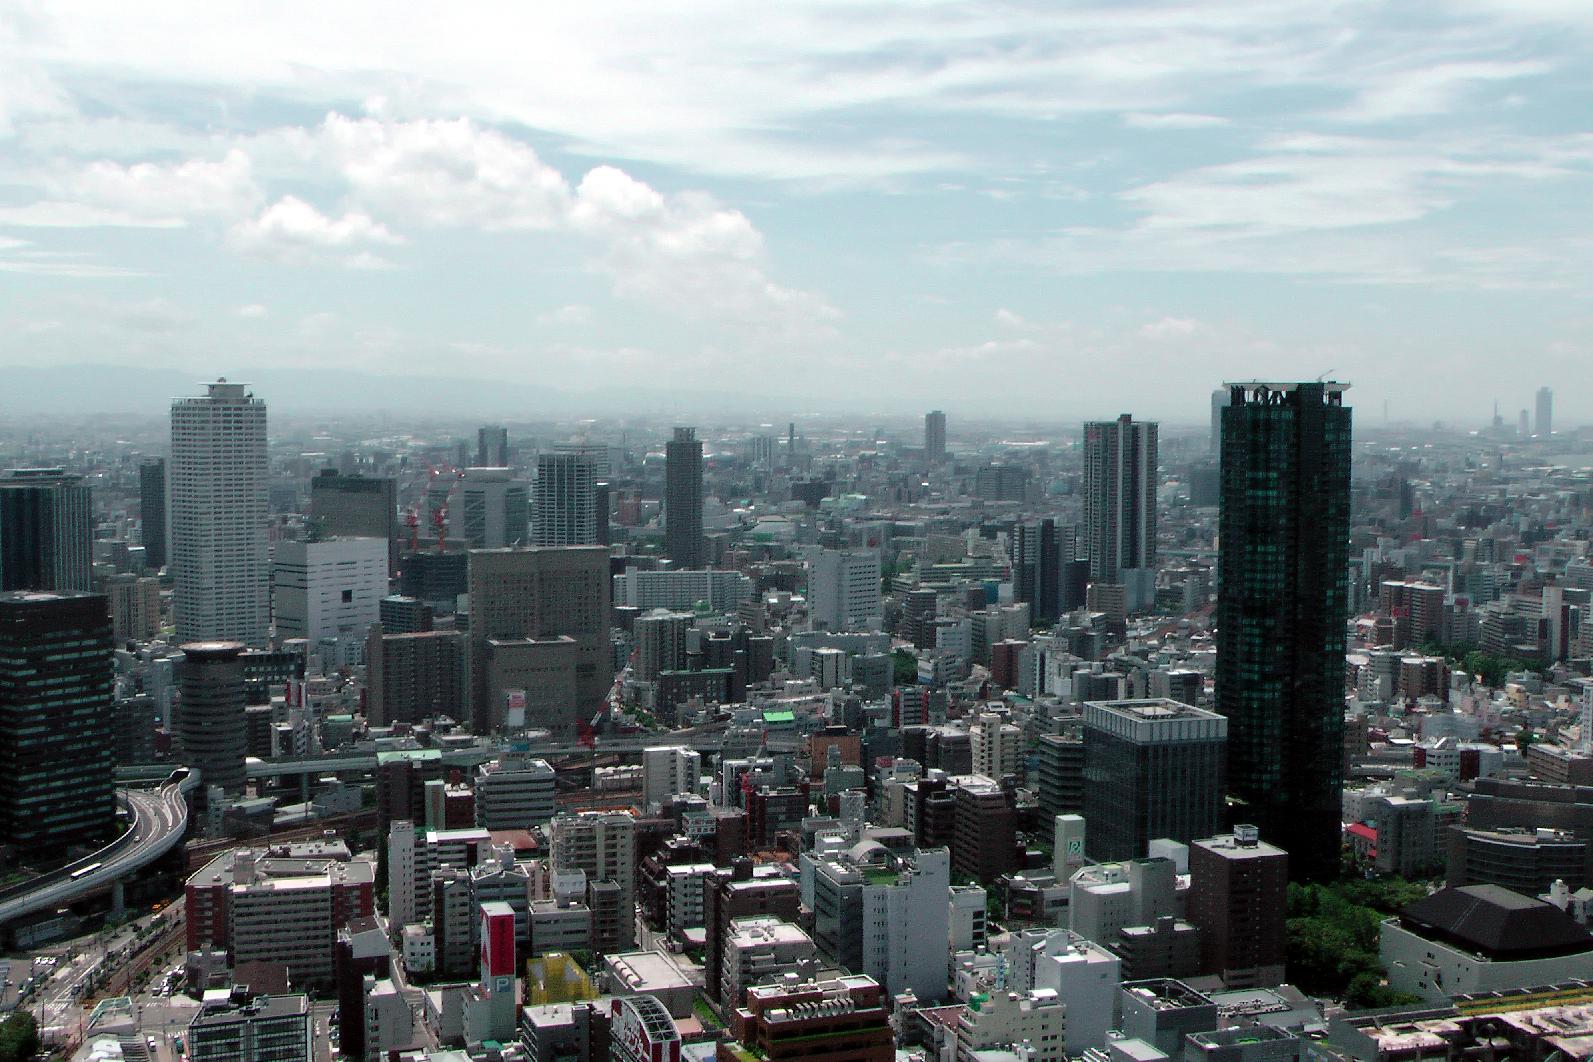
(564, 501)
(218, 516)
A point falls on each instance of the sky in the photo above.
(1050, 209)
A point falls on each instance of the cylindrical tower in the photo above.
(210, 719)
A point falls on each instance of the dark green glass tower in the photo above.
(57, 678)
(1281, 613)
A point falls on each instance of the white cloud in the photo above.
(1431, 89)
(572, 314)
(1174, 120)
(684, 252)
(252, 311)
(1170, 328)
(162, 192)
(445, 173)
(292, 230)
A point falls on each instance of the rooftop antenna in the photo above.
(1323, 377)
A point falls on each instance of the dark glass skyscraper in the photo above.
(1152, 768)
(152, 511)
(683, 499)
(56, 709)
(46, 530)
(356, 507)
(1281, 612)
(1039, 549)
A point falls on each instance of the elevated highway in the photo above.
(704, 739)
(158, 822)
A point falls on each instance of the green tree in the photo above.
(19, 1037)
(905, 667)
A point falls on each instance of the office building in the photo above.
(1039, 548)
(209, 720)
(249, 1027)
(1238, 899)
(438, 579)
(1120, 481)
(1084, 975)
(1152, 769)
(1281, 609)
(46, 531)
(152, 512)
(1219, 402)
(668, 772)
(660, 639)
(356, 507)
(681, 591)
(761, 950)
(1002, 482)
(1544, 424)
(880, 913)
(844, 590)
(540, 594)
(683, 500)
(1034, 1022)
(56, 710)
(1106, 898)
(564, 510)
(996, 744)
(491, 510)
(840, 1020)
(284, 904)
(934, 436)
(984, 839)
(134, 602)
(492, 446)
(514, 792)
(329, 591)
(1061, 773)
(602, 845)
(411, 677)
(741, 892)
(219, 480)
(400, 614)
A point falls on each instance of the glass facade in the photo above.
(1281, 613)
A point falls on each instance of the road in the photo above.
(159, 822)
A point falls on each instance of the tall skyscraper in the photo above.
(1039, 549)
(209, 722)
(356, 507)
(219, 511)
(1281, 611)
(524, 605)
(46, 531)
(935, 436)
(152, 511)
(57, 680)
(1120, 479)
(683, 542)
(492, 509)
(1545, 421)
(1219, 402)
(492, 446)
(564, 509)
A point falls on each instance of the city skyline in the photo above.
(925, 202)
